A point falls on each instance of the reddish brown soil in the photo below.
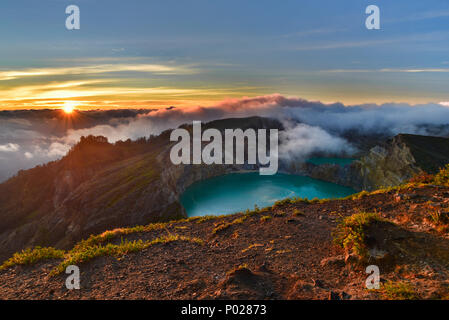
(287, 259)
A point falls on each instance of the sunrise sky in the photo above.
(139, 54)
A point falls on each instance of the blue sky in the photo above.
(202, 51)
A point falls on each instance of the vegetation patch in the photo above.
(350, 232)
(223, 226)
(265, 218)
(398, 290)
(279, 213)
(250, 213)
(442, 177)
(84, 254)
(298, 213)
(357, 196)
(238, 268)
(32, 256)
(266, 209)
(254, 245)
(94, 240)
(439, 217)
(283, 202)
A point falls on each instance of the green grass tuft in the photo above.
(350, 232)
(439, 217)
(442, 177)
(226, 225)
(32, 256)
(398, 290)
(83, 254)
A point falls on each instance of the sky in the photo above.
(148, 54)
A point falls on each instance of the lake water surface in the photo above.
(240, 191)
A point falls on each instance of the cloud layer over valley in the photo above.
(29, 138)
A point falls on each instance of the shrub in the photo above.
(398, 290)
(265, 218)
(350, 232)
(439, 217)
(266, 209)
(442, 177)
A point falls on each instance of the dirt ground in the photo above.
(290, 255)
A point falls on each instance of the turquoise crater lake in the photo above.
(240, 191)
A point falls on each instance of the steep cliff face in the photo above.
(179, 177)
(388, 164)
(384, 167)
(400, 159)
(97, 186)
(100, 186)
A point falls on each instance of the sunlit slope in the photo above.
(98, 185)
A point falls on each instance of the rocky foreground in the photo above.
(283, 252)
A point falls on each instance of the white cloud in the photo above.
(94, 69)
(10, 147)
(302, 140)
(28, 155)
(311, 126)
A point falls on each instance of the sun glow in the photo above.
(69, 106)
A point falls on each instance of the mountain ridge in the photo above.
(98, 186)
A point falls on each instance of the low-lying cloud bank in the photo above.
(28, 139)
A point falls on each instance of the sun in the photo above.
(69, 106)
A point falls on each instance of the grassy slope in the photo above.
(287, 248)
(96, 179)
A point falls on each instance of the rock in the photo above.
(389, 165)
(242, 283)
(378, 254)
(345, 296)
(334, 295)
